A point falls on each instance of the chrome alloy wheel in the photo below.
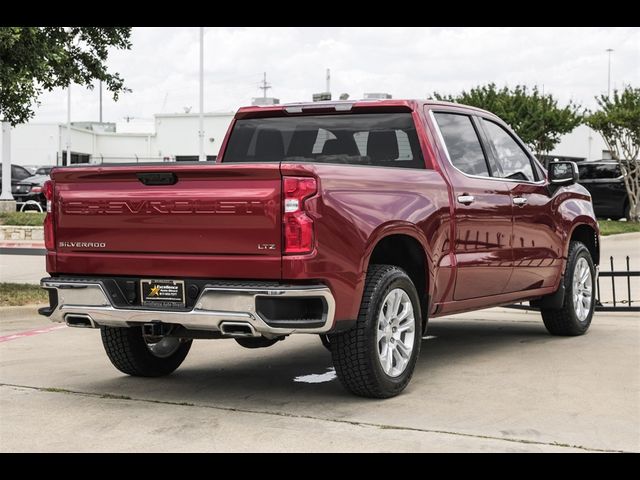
(162, 347)
(395, 332)
(582, 289)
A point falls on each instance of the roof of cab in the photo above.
(346, 105)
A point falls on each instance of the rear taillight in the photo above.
(49, 235)
(298, 227)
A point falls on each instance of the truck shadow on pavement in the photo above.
(238, 376)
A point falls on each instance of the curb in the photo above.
(23, 244)
(22, 232)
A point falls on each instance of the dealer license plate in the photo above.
(162, 293)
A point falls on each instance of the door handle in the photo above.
(466, 199)
(519, 201)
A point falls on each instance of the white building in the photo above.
(582, 143)
(174, 138)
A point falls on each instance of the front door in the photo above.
(482, 210)
(537, 244)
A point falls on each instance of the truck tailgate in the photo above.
(169, 209)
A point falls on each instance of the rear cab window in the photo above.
(376, 139)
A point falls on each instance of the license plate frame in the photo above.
(169, 293)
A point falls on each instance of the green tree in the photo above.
(37, 58)
(618, 121)
(534, 116)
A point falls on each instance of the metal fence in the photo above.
(622, 304)
(621, 300)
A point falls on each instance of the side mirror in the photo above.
(563, 173)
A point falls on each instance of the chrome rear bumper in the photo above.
(77, 299)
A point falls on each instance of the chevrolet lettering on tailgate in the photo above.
(93, 207)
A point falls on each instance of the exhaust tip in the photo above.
(79, 321)
(237, 329)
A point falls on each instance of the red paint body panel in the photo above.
(356, 206)
(210, 223)
(206, 225)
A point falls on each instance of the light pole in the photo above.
(201, 157)
(6, 170)
(69, 29)
(609, 50)
(68, 125)
(100, 101)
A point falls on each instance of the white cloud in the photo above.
(162, 67)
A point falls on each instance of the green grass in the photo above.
(14, 294)
(22, 219)
(611, 227)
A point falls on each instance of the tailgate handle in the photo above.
(161, 178)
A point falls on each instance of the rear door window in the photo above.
(380, 139)
(462, 142)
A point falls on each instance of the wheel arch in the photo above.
(404, 246)
(588, 234)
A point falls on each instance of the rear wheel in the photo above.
(574, 317)
(377, 357)
(135, 354)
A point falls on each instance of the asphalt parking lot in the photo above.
(486, 381)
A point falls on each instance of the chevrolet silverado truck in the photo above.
(355, 221)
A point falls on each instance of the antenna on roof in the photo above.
(328, 80)
(265, 86)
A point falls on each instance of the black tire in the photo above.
(355, 352)
(129, 353)
(564, 321)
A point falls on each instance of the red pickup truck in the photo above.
(356, 221)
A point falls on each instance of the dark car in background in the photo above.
(30, 189)
(603, 179)
(43, 170)
(38, 169)
(26, 187)
(18, 175)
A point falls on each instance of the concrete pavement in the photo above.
(22, 268)
(486, 381)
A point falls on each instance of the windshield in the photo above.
(382, 139)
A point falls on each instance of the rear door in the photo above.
(537, 245)
(170, 209)
(482, 210)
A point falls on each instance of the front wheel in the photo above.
(574, 317)
(377, 357)
(135, 354)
